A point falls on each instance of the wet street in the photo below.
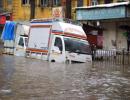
(31, 79)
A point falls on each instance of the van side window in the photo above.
(58, 43)
(21, 42)
(26, 41)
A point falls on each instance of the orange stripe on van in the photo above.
(36, 50)
(75, 35)
(58, 33)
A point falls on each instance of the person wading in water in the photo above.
(128, 40)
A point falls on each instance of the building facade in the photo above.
(103, 21)
(21, 10)
(46, 8)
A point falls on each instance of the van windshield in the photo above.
(77, 46)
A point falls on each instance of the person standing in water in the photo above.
(128, 40)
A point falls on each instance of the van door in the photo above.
(21, 46)
(57, 53)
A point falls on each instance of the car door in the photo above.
(57, 53)
(20, 46)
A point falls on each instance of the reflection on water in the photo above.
(30, 79)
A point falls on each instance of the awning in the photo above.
(104, 11)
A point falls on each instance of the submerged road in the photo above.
(31, 79)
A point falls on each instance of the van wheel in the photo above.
(53, 60)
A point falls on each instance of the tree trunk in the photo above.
(32, 9)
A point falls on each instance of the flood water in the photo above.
(31, 79)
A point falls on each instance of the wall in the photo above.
(121, 38)
(22, 12)
(87, 2)
(73, 5)
(109, 34)
(6, 5)
(113, 32)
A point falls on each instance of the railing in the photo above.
(121, 57)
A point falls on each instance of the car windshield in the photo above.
(77, 46)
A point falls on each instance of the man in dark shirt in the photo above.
(128, 40)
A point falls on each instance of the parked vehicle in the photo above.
(58, 40)
(15, 36)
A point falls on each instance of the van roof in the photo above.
(56, 20)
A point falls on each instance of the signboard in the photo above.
(101, 13)
(2, 19)
(58, 12)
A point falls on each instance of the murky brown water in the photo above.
(30, 79)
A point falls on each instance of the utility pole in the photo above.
(32, 9)
(68, 9)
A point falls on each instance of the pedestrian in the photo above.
(93, 49)
(128, 40)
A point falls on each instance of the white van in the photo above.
(17, 45)
(58, 40)
(21, 39)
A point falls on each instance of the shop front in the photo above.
(106, 20)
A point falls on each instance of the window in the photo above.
(24, 2)
(80, 3)
(58, 43)
(56, 2)
(21, 42)
(44, 3)
(77, 46)
(108, 1)
(94, 2)
(9, 2)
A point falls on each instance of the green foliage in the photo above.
(125, 34)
